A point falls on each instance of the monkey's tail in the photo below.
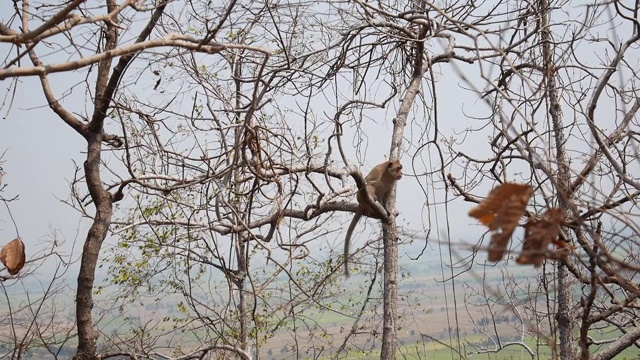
(347, 239)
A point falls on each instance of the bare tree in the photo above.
(102, 25)
(544, 97)
(234, 135)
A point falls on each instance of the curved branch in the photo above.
(171, 40)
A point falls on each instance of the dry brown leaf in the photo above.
(560, 244)
(12, 256)
(539, 232)
(501, 211)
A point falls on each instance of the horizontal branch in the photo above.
(174, 40)
(52, 26)
(619, 345)
(223, 228)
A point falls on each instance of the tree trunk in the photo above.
(390, 303)
(102, 199)
(243, 313)
(564, 315)
(390, 231)
(87, 335)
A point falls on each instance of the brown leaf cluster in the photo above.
(12, 256)
(539, 231)
(501, 211)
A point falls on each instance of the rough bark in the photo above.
(390, 230)
(389, 327)
(87, 334)
(564, 315)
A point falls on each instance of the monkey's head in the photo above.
(394, 168)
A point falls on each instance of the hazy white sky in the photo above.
(41, 151)
(39, 166)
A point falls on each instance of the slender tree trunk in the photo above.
(243, 314)
(564, 316)
(390, 303)
(102, 200)
(87, 334)
(94, 133)
(241, 244)
(390, 231)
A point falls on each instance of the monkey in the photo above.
(378, 183)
